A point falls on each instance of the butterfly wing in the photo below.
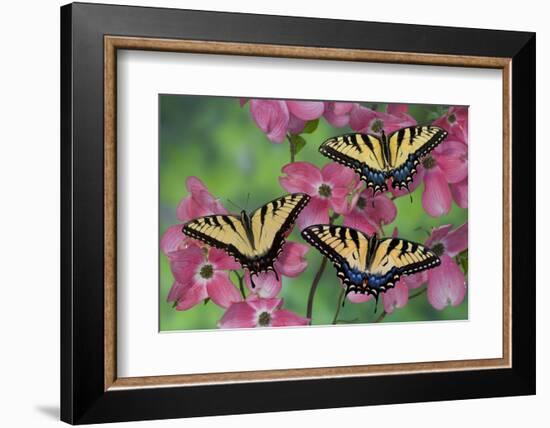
(346, 248)
(226, 232)
(394, 257)
(364, 153)
(269, 225)
(255, 242)
(406, 147)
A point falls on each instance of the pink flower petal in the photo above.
(359, 298)
(222, 291)
(177, 290)
(221, 260)
(361, 117)
(316, 212)
(243, 101)
(381, 209)
(301, 177)
(396, 297)
(456, 241)
(357, 219)
(192, 296)
(337, 114)
(239, 315)
(338, 175)
(185, 263)
(285, 318)
(459, 127)
(446, 284)
(416, 280)
(436, 198)
(199, 202)
(173, 239)
(340, 108)
(296, 125)
(266, 283)
(265, 305)
(460, 193)
(195, 185)
(438, 234)
(452, 158)
(272, 118)
(306, 110)
(291, 262)
(397, 109)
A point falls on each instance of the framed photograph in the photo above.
(265, 213)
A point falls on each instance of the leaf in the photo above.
(311, 126)
(298, 143)
(462, 260)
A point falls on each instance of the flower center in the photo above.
(377, 125)
(361, 203)
(451, 118)
(207, 271)
(264, 319)
(438, 249)
(429, 162)
(325, 191)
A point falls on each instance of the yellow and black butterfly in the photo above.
(376, 159)
(255, 240)
(367, 264)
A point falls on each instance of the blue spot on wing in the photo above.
(375, 177)
(374, 281)
(400, 174)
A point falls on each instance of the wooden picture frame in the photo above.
(91, 390)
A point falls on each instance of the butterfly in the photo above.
(254, 240)
(376, 159)
(367, 264)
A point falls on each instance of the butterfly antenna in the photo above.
(247, 200)
(234, 204)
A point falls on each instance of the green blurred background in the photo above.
(215, 139)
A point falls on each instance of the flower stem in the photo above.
(413, 296)
(292, 148)
(317, 278)
(381, 317)
(339, 305)
(313, 288)
(241, 285)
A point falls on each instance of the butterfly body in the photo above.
(378, 158)
(254, 240)
(367, 264)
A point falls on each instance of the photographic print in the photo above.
(295, 213)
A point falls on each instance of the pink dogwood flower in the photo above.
(202, 273)
(337, 114)
(455, 122)
(366, 120)
(446, 282)
(260, 312)
(199, 202)
(291, 263)
(396, 297)
(278, 117)
(370, 213)
(328, 187)
(445, 167)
